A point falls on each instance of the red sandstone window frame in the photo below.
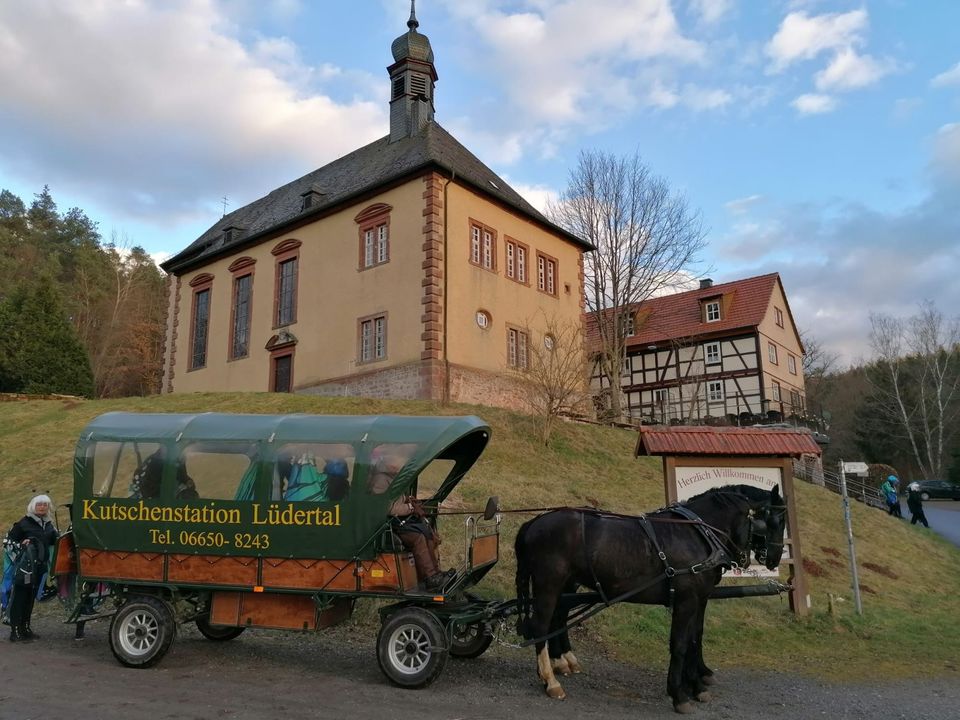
(548, 274)
(778, 316)
(518, 347)
(772, 353)
(792, 364)
(276, 355)
(202, 283)
(371, 322)
(373, 219)
(776, 392)
(479, 253)
(283, 253)
(240, 268)
(516, 260)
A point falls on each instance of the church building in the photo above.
(405, 269)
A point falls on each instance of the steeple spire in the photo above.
(412, 22)
(412, 77)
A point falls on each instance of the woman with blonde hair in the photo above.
(32, 537)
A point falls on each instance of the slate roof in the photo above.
(670, 317)
(698, 440)
(343, 180)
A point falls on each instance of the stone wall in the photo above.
(424, 380)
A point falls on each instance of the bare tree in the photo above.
(916, 379)
(818, 364)
(646, 237)
(556, 378)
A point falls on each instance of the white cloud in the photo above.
(710, 12)
(575, 63)
(945, 160)
(167, 108)
(849, 71)
(947, 77)
(811, 104)
(540, 196)
(698, 98)
(742, 205)
(801, 37)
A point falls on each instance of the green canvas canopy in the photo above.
(303, 483)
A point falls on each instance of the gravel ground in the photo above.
(334, 674)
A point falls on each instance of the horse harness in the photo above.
(718, 557)
(718, 554)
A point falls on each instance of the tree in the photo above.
(916, 382)
(819, 365)
(646, 238)
(556, 378)
(40, 350)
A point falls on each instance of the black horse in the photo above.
(672, 557)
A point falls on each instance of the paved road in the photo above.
(944, 518)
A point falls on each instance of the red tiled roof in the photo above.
(744, 304)
(662, 440)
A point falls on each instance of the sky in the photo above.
(818, 138)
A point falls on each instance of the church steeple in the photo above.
(412, 78)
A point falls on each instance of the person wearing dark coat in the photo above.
(915, 504)
(33, 536)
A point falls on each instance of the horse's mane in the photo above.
(751, 492)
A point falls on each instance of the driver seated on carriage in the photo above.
(409, 522)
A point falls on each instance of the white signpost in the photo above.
(859, 468)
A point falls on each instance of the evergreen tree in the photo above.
(39, 349)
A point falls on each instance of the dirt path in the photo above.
(278, 675)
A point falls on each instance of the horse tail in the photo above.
(523, 580)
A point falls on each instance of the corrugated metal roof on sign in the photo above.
(660, 440)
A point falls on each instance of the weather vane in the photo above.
(224, 200)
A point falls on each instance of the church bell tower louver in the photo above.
(412, 79)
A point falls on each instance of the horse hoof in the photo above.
(561, 666)
(702, 697)
(708, 680)
(556, 693)
(684, 708)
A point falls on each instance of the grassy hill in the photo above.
(910, 577)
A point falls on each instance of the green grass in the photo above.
(910, 577)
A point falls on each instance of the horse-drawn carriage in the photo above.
(284, 522)
(260, 521)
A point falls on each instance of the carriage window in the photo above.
(217, 471)
(127, 469)
(313, 472)
(432, 477)
(385, 462)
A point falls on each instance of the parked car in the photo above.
(938, 489)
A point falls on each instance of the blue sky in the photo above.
(819, 138)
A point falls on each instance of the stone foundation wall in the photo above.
(424, 381)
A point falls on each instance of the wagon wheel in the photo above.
(469, 641)
(411, 648)
(219, 633)
(142, 631)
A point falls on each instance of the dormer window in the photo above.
(628, 323)
(230, 233)
(311, 198)
(711, 310)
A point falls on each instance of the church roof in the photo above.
(348, 178)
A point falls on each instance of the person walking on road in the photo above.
(915, 504)
(889, 491)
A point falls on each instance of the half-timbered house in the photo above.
(721, 352)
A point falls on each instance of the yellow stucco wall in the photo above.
(332, 295)
(785, 338)
(473, 288)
